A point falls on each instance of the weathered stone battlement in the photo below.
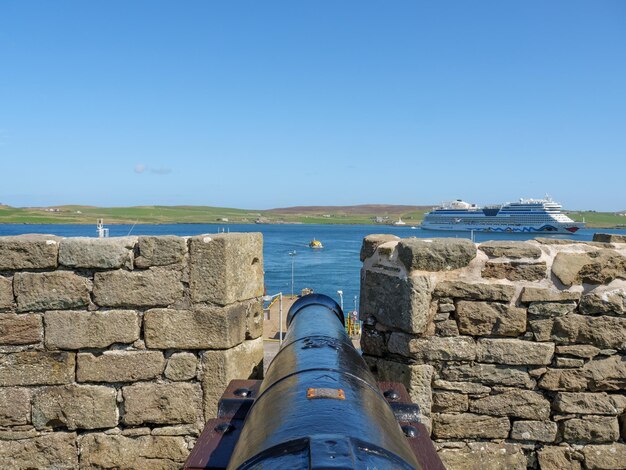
(113, 352)
(514, 350)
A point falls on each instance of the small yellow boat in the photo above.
(316, 244)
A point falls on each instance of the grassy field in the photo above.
(412, 215)
(199, 214)
(598, 219)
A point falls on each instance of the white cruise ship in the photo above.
(527, 215)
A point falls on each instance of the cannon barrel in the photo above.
(319, 407)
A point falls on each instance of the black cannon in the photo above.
(319, 407)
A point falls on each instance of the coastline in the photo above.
(371, 215)
(227, 224)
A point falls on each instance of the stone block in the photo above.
(160, 251)
(483, 291)
(373, 342)
(540, 294)
(6, 292)
(596, 267)
(119, 366)
(606, 373)
(603, 332)
(28, 252)
(604, 300)
(155, 287)
(524, 404)
(569, 362)
(417, 379)
(463, 387)
(542, 328)
(609, 238)
(244, 361)
(585, 351)
(484, 456)
(557, 458)
(605, 457)
(446, 328)
(488, 374)
(180, 430)
(132, 432)
(433, 348)
(181, 366)
(551, 309)
(537, 372)
(70, 329)
(20, 329)
(254, 320)
(57, 290)
(14, 406)
(151, 403)
(540, 431)
(226, 268)
(592, 429)
(371, 242)
(102, 451)
(513, 352)
(75, 407)
(398, 302)
(97, 253)
(569, 380)
(439, 254)
(510, 249)
(36, 368)
(490, 318)
(201, 327)
(515, 271)
(586, 403)
(449, 402)
(469, 425)
(47, 451)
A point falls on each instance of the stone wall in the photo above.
(113, 352)
(514, 350)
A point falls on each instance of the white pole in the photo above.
(340, 292)
(292, 254)
(280, 318)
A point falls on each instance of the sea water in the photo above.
(333, 268)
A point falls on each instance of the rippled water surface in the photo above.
(336, 267)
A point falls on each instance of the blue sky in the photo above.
(276, 103)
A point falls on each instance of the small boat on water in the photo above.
(316, 244)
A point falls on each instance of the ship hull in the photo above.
(545, 228)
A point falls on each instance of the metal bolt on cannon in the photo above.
(319, 407)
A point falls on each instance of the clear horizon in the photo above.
(276, 104)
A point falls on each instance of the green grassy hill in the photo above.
(599, 219)
(124, 215)
(363, 214)
(76, 214)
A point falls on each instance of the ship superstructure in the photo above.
(526, 215)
